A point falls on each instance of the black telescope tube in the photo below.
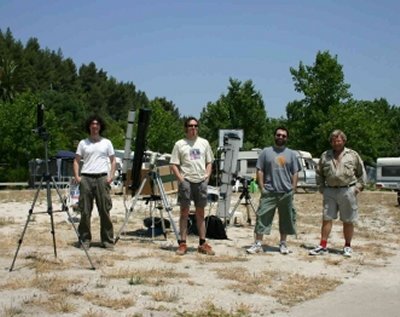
(140, 144)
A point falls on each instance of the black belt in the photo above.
(94, 175)
(345, 186)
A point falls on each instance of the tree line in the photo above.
(31, 75)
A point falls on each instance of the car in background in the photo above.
(388, 174)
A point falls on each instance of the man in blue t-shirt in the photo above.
(277, 173)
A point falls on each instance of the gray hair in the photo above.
(338, 133)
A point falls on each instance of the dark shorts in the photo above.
(193, 191)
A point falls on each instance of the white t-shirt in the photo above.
(192, 156)
(95, 155)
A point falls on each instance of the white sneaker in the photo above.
(255, 248)
(318, 251)
(283, 249)
(347, 252)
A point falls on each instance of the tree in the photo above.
(165, 126)
(18, 141)
(241, 108)
(7, 87)
(323, 87)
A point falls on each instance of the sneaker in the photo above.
(318, 251)
(107, 245)
(182, 249)
(255, 248)
(347, 252)
(283, 249)
(205, 248)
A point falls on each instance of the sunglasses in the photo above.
(192, 125)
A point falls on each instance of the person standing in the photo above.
(341, 177)
(191, 161)
(277, 174)
(96, 176)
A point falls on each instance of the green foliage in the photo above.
(367, 126)
(371, 126)
(19, 143)
(165, 126)
(323, 87)
(241, 108)
(30, 75)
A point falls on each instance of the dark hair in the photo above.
(282, 128)
(95, 117)
(190, 119)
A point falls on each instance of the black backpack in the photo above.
(215, 228)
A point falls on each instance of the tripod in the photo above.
(153, 176)
(248, 202)
(48, 179)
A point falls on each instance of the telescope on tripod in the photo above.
(138, 183)
(47, 181)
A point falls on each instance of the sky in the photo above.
(187, 50)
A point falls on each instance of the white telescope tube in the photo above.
(128, 142)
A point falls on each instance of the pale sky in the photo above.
(187, 50)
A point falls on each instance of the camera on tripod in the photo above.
(40, 127)
(244, 180)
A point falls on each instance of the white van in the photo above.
(308, 175)
(246, 163)
(388, 174)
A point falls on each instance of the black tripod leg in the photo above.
(167, 207)
(21, 239)
(234, 209)
(130, 210)
(248, 200)
(50, 213)
(65, 208)
(163, 222)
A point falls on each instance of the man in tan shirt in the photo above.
(341, 177)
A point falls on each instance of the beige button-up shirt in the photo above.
(346, 171)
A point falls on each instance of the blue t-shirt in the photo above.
(278, 165)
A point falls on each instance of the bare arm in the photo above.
(76, 168)
(260, 179)
(208, 170)
(110, 177)
(177, 172)
(295, 177)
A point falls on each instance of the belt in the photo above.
(344, 186)
(94, 175)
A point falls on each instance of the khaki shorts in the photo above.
(340, 200)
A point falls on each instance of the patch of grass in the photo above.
(6, 221)
(247, 282)
(211, 310)
(11, 311)
(106, 301)
(154, 276)
(222, 258)
(165, 296)
(376, 250)
(94, 313)
(296, 288)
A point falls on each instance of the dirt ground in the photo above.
(142, 276)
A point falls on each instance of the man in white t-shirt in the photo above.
(191, 161)
(96, 176)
